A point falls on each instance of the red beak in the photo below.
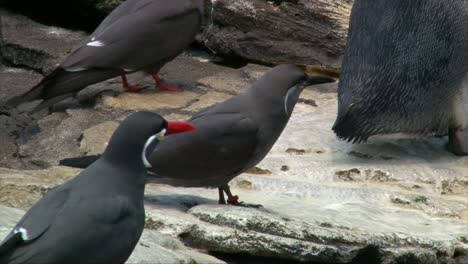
(178, 127)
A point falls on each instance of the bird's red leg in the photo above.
(128, 87)
(232, 199)
(163, 86)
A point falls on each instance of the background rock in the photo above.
(27, 43)
(306, 32)
(21, 189)
(16, 81)
(96, 138)
(58, 136)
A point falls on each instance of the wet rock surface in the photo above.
(325, 201)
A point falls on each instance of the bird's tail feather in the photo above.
(36, 92)
(61, 84)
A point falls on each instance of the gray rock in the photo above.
(155, 247)
(59, 135)
(241, 230)
(148, 100)
(30, 44)
(16, 81)
(7, 151)
(307, 32)
(22, 189)
(10, 216)
(265, 234)
(96, 138)
(233, 81)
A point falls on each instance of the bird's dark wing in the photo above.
(107, 229)
(126, 8)
(149, 35)
(37, 220)
(233, 105)
(220, 148)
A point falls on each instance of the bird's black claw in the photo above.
(242, 204)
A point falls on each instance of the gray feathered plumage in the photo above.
(98, 216)
(234, 135)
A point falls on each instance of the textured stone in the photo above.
(59, 134)
(16, 81)
(21, 189)
(7, 150)
(231, 82)
(176, 117)
(306, 31)
(155, 247)
(96, 138)
(27, 43)
(149, 100)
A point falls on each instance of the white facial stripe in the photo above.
(148, 142)
(76, 69)
(23, 231)
(286, 102)
(96, 43)
(286, 99)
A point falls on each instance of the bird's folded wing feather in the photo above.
(222, 145)
(37, 220)
(232, 106)
(148, 33)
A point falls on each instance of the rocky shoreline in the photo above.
(325, 201)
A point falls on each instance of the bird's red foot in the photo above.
(164, 87)
(128, 87)
(169, 88)
(233, 200)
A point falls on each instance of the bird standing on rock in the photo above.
(137, 35)
(98, 216)
(231, 136)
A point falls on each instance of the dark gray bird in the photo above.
(231, 136)
(405, 70)
(98, 216)
(137, 35)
